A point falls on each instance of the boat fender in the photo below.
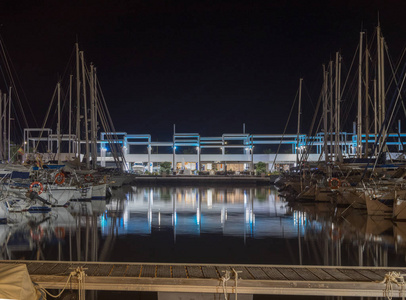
(59, 178)
(88, 177)
(37, 186)
(335, 234)
(334, 183)
(60, 232)
(37, 234)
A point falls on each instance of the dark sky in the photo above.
(207, 66)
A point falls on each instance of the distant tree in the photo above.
(165, 167)
(268, 151)
(260, 167)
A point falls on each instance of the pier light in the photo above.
(25, 143)
(197, 148)
(174, 147)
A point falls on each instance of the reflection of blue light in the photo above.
(103, 222)
(175, 218)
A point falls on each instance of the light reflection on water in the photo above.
(219, 225)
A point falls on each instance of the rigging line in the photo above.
(45, 120)
(109, 117)
(308, 94)
(349, 72)
(106, 126)
(382, 130)
(5, 54)
(69, 62)
(306, 154)
(392, 109)
(286, 126)
(394, 73)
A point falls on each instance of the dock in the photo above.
(212, 278)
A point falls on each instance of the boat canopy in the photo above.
(15, 283)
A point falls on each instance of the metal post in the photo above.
(85, 112)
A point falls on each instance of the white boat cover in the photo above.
(15, 283)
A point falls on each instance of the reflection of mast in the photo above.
(174, 215)
(299, 238)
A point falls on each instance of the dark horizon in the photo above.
(207, 67)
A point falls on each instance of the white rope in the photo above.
(80, 273)
(224, 279)
(236, 280)
(390, 279)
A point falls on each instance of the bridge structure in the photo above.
(236, 151)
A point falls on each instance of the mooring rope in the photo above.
(80, 274)
(236, 280)
(224, 279)
(393, 278)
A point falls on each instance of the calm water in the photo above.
(204, 225)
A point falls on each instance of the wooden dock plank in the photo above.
(337, 274)
(372, 276)
(61, 269)
(290, 274)
(257, 273)
(90, 269)
(119, 270)
(306, 274)
(163, 271)
(178, 272)
(194, 272)
(44, 269)
(274, 273)
(133, 271)
(210, 272)
(355, 276)
(322, 274)
(103, 270)
(32, 266)
(148, 271)
(242, 272)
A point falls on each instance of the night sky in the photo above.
(206, 66)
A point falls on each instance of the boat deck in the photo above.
(208, 278)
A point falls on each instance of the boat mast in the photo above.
(1, 127)
(375, 117)
(330, 105)
(359, 117)
(85, 112)
(366, 100)
(299, 112)
(337, 104)
(70, 115)
(92, 118)
(4, 126)
(383, 105)
(77, 102)
(378, 41)
(326, 158)
(58, 128)
(9, 124)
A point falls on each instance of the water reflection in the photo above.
(219, 225)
